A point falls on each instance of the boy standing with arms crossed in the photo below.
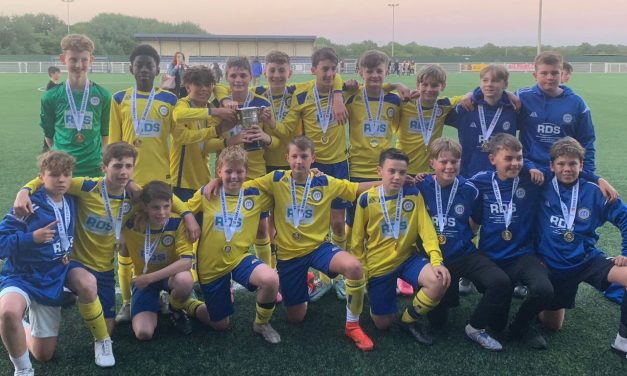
(75, 115)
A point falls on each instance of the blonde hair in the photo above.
(233, 155)
(443, 145)
(77, 43)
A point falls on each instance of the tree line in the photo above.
(39, 34)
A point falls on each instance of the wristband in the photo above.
(209, 111)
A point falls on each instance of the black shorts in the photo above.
(565, 286)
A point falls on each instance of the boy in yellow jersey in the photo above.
(312, 107)
(75, 115)
(302, 205)
(102, 207)
(389, 220)
(229, 224)
(162, 257)
(422, 119)
(196, 132)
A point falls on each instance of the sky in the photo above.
(433, 23)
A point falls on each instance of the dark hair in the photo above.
(567, 146)
(373, 58)
(53, 69)
(302, 143)
(156, 190)
(174, 57)
(145, 50)
(324, 53)
(393, 153)
(118, 150)
(199, 75)
(240, 62)
(567, 67)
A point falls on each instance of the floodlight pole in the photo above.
(393, 36)
(68, 13)
(540, 28)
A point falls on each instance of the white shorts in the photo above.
(44, 320)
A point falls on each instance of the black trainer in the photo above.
(180, 321)
(420, 331)
(529, 334)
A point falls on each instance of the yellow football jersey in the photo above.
(172, 246)
(153, 154)
(214, 258)
(314, 225)
(369, 136)
(372, 240)
(194, 138)
(410, 138)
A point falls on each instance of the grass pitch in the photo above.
(319, 346)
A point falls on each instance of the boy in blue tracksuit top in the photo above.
(505, 208)
(450, 199)
(36, 249)
(493, 113)
(572, 210)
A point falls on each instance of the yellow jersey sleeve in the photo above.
(359, 238)
(427, 233)
(344, 189)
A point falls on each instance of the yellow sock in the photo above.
(94, 318)
(273, 252)
(421, 305)
(264, 313)
(125, 274)
(189, 306)
(263, 251)
(355, 297)
(347, 244)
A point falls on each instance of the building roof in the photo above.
(215, 37)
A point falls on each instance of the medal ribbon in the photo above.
(568, 213)
(63, 222)
(427, 130)
(139, 124)
(442, 216)
(229, 228)
(497, 194)
(79, 116)
(117, 222)
(297, 212)
(487, 132)
(325, 118)
(379, 107)
(278, 116)
(396, 226)
(150, 248)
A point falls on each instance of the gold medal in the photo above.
(227, 248)
(137, 142)
(485, 147)
(569, 236)
(442, 239)
(374, 143)
(506, 235)
(79, 138)
(296, 235)
(324, 140)
(66, 259)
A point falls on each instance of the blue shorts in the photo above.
(218, 293)
(147, 300)
(293, 273)
(565, 286)
(105, 282)
(337, 170)
(350, 210)
(382, 289)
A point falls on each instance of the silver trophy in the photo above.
(248, 117)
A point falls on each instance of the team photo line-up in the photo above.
(512, 207)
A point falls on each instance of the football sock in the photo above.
(421, 304)
(125, 274)
(94, 318)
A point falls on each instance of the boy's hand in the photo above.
(620, 261)
(45, 234)
(142, 281)
(133, 191)
(414, 94)
(442, 273)
(537, 177)
(226, 114)
(516, 103)
(316, 172)
(351, 85)
(256, 134)
(235, 140)
(212, 188)
(230, 104)
(340, 113)
(419, 178)
(466, 103)
(266, 118)
(192, 228)
(403, 92)
(23, 206)
(409, 180)
(224, 126)
(608, 191)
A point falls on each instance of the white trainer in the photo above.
(103, 351)
(267, 332)
(620, 345)
(24, 372)
(124, 314)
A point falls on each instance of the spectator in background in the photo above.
(176, 69)
(257, 71)
(217, 72)
(55, 78)
(567, 72)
